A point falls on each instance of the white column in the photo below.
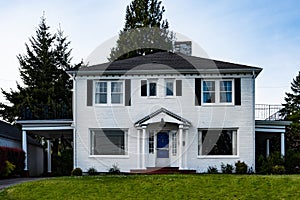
(138, 148)
(234, 142)
(180, 149)
(74, 149)
(144, 148)
(282, 145)
(186, 148)
(49, 155)
(268, 148)
(24, 147)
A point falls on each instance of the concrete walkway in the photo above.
(5, 183)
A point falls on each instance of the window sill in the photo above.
(109, 105)
(170, 97)
(110, 156)
(218, 105)
(219, 157)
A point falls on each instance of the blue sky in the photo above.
(263, 33)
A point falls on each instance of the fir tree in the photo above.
(291, 111)
(145, 31)
(46, 86)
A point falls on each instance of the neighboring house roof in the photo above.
(9, 131)
(167, 61)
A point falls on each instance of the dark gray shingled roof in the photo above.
(167, 61)
(9, 131)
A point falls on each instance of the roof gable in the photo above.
(164, 115)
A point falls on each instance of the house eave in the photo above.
(253, 71)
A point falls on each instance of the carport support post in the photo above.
(282, 145)
(49, 155)
(24, 147)
(268, 148)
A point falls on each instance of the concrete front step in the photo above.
(162, 170)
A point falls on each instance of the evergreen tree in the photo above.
(145, 31)
(46, 86)
(291, 111)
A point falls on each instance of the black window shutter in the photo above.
(178, 87)
(89, 93)
(127, 92)
(237, 91)
(143, 88)
(198, 92)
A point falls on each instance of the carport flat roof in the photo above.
(49, 128)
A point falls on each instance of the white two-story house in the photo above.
(164, 109)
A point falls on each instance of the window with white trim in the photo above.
(152, 88)
(225, 91)
(209, 92)
(109, 93)
(217, 92)
(101, 93)
(108, 142)
(217, 142)
(169, 87)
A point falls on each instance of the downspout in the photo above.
(73, 76)
(74, 121)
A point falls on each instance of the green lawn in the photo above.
(159, 187)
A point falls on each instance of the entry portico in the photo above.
(163, 138)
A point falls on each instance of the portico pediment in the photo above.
(162, 115)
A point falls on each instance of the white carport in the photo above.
(49, 129)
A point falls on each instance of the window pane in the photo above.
(116, 98)
(208, 86)
(225, 86)
(208, 97)
(103, 87)
(225, 97)
(169, 89)
(103, 98)
(108, 142)
(97, 87)
(116, 87)
(217, 142)
(152, 88)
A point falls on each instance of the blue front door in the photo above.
(162, 145)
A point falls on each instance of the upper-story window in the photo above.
(217, 92)
(109, 92)
(226, 91)
(152, 88)
(149, 88)
(169, 87)
(209, 91)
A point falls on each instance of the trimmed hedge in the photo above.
(15, 156)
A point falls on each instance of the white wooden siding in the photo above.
(239, 117)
